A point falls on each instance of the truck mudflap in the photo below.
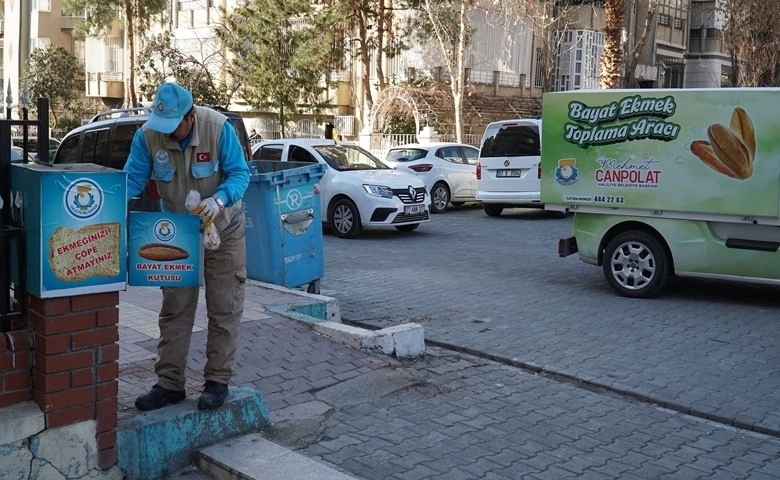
(567, 246)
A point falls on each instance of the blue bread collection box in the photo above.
(164, 249)
(75, 227)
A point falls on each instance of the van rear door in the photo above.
(509, 157)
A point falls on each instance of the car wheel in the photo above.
(440, 197)
(636, 264)
(492, 209)
(407, 228)
(344, 219)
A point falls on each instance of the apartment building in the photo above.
(503, 65)
(30, 24)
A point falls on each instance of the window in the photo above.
(95, 147)
(113, 54)
(472, 155)
(664, 19)
(679, 23)
(298, 154)
(42, 43)
(69, 150)
(451, 154)
(538, 81)
(673, 73)
(269, 152)
(511, 141)
(191, 4)
(120, 144)
(41, 5)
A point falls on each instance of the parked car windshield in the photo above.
(405, 154)
(349, 157)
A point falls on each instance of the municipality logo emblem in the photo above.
(567, 173)
(164, 230)
(83, 199)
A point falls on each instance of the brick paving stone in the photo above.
(482, 468)
(473, 418)
(420, 473)
(553, 473)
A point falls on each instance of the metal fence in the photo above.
(12, 243)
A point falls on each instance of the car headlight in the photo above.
(379, 190)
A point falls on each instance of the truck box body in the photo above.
(696, 170)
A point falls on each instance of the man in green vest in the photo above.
(184, 147)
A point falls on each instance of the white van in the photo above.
(508, 169)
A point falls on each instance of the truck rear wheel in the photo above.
(636, 264)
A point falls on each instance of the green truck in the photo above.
(666, 182)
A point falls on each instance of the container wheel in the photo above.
(636, 264)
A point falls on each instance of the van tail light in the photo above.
(151, 190)
(539, 171)
(479, 171)
(421, 167)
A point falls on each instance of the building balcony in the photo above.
(69, 22)
(105, 85)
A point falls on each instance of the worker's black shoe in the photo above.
(213, 395)
(159, 397)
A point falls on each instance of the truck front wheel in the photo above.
(636, 264)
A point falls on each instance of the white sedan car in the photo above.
(449, 170)
(356, 190)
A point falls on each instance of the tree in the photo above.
(612, 56)
(55, 74)
(635, 51)
(549, 20)
(100, 17)
(160, 60)
(449, 25)
(372, 21)
(752, 37)
(281, 50)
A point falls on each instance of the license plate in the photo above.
(509, 173)
(414, 209)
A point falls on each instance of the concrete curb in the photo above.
(324, 316)
(403, 341)
(229, 461)
(159, 443)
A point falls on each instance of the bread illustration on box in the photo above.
(162, 252)
(91, 251)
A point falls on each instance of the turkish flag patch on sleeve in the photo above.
(204, 156)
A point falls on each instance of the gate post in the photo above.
(76, 364)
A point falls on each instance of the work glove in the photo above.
(193, 203)
(209, 208)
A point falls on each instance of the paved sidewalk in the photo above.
(445, 416)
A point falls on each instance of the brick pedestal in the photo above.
(15, 362)
(75, 366)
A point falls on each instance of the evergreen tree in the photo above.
(281, 50)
